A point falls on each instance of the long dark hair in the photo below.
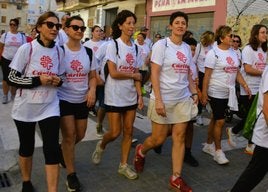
(254, 41)
(70, 19)
(119, 20)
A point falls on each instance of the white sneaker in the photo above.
(199, 120)
(97, 154)
(209, 149)
(220, 158)
(249, 149)
(5, 99)
(232, 138)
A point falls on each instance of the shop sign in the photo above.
(166, 5)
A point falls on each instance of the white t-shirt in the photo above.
(260, 133)
(101, 59)
(175, 61)
(31, 105)
(94, 45)
(145, 52)
(122, 93)
(225, 65)
(12, 43)
(77, 68)
(200, 56)
(257, 59)
(62, 38)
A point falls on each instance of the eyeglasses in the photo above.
(158, 37)
(236, 41)
(51, 25)
(76, 27)
(12, 24)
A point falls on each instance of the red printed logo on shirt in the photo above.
(261, 64)
(230, 61)
(14, 38)
(95, 48)
(76, 66)
(181, 57)
(130, 59)
(261, 57)
(46, 62)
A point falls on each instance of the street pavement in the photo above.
(207, 177)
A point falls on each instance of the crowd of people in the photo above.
(55, 80)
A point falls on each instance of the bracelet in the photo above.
(194, 94)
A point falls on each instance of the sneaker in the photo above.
(249, 149)
(179, 185)
(92, 112)
(72, 183)
(99, 130)
(62, 162)
(127, 171)
(232, 138)
(220, 158)
(134, 140)
(209, 149)
(97, 154)
(5, 99)
(199, 120)
(27, 186)
(158, 149)
(190, 160)
(139, 161)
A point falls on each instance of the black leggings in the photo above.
(49, 128)
(255, 171)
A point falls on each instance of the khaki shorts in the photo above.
(178, 112)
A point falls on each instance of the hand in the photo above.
(91, 98)
(55, 80)
(160, 108)
(137, 76)
(195, 99)
(46, 79)
(204, 99)
(140, 102)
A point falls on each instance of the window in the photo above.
(3, 6)
(3, 19)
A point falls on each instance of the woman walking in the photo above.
(122, 90)
(76, 95)
(34, 70)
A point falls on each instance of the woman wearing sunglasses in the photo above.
(76, 95)
(35, 70)
(9, 44)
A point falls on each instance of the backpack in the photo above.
(106, 69)
(88, 50)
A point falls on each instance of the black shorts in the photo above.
(5, 68)
(78, 110)
(116, 109)
(218, 107)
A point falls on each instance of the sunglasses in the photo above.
(51, 25)
(158, 37)
(236, 41)
(12, 24)
(76, 27)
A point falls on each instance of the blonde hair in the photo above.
(207, 38)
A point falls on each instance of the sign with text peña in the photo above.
(167, 5)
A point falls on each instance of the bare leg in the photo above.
(26, 167)
(218, 133)
(52, 175)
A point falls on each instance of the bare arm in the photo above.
(92, 83)
(265, 107)
(251, 71)
(243, 83)
(155, 74)
(207, 76)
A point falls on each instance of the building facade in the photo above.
(203, 15)
(102, 12)
(10, 9)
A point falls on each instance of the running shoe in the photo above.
(4, 99)
(249, 149)
(139, 161)
(190, 160)
(232, 138)
(179, 185)
(127, 171)
(99, 130)
(27, 186)
(72, 183)
(97, 154)
(209, 149)
(220, 158)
